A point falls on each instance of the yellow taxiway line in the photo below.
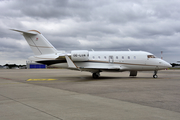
(40, 79)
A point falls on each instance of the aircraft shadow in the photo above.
(104, 78)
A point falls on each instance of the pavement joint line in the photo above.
(5, 78)
(31, 107)
(11, 83)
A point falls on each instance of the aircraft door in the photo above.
(111, 59)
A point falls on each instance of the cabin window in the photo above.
(128, 57)
(122, 57)
(99, 57)
(104, 57)
(93, 57)
(116, 57)
(134, 57)
(151, 56)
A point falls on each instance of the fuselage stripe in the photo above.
(121, 63)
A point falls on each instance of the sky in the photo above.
(101, 25)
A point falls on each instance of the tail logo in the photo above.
(36, 39)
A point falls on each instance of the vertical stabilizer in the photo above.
(38, 43)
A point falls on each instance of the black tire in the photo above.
(155, 76)
(95, 75)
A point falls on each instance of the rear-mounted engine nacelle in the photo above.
(80, 55)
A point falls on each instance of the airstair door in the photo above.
(111, 59)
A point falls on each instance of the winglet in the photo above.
(70, 63)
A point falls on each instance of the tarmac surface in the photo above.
(60, 94)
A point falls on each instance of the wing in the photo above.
(89, 66)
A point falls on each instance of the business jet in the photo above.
(92, 61)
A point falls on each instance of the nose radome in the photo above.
(165, 64)
(168, 65)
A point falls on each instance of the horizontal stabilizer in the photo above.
(29, 32)
(38, 43)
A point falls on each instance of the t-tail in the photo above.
(38, 43)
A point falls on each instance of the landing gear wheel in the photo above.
(95, 75)
(155, 76)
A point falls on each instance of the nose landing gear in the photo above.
(155, 74)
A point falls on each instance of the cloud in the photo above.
(100, 25)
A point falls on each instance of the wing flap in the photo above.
(103, 68)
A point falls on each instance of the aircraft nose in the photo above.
(166, 64)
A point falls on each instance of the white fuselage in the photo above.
(119, 61)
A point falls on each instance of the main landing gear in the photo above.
(155, 74)
(96, 75)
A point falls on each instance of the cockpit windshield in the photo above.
(151, 56)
